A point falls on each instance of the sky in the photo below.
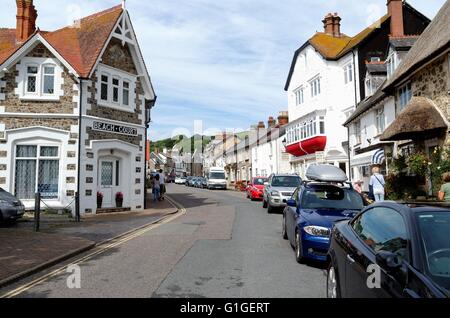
(218, 65)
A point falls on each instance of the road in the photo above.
(223, 246)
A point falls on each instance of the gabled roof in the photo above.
(333, 48)
(80, 45)
(433, 41)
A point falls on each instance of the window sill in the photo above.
(39, 98)
(127, 109)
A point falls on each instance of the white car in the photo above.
(180, 180)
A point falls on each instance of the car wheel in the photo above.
(264, 204)
(298, 248)
(333, 288)
(284, 232)
(269, 209)
(248, 196)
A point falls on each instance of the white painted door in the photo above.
(109, 180)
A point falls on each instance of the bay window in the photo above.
(104, 87)
(36, 170)
(126, 93)
(115, 88)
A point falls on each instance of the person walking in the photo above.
(444, 193)
(162, 179)
(377, 183)
(156, 188)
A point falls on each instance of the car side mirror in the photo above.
(389, 261)
(291, 203)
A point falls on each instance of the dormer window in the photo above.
(39, 79)
(348, 73)
(391, 64)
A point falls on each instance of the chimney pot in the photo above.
(283, 118)
(395, 11)
(332, 24)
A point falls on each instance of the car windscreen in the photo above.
(434, 228)
(330, 197)
(217, 175)
(286, 181)
(259, 181)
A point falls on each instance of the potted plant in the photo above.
(119, 199)
(99, 200)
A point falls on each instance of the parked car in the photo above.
(11, 208)
(410, 246)
(314, 208)
(191, 181)
(180, 180)
(278, 189)
(198, 182)
(188, 181)
(204, 183)
(255, 190)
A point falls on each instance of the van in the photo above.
(216, 179)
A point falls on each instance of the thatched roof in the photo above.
(419, 120)
(434, 39)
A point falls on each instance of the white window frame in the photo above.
(391, 64)
(316, 86)
(36, 80)
(380, 120)
(38, 158)
(404, 94)
(357, 132)
(299, 94)
(40, 63)
(348, 73)
(122, 77)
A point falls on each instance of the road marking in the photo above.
(100, 249)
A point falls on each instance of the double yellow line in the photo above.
(100, 249)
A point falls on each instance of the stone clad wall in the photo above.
(119, 57)
(13, 104)
(63, 123)
(433, 82)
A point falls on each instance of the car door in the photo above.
(267, 189)
(291, 216)
(377, 229)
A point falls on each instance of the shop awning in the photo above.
(421, 119)
(364, 159)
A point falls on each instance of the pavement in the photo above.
(24, 252)
(223, 246)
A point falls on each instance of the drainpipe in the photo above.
(348, 128)
(80, 117)
(147, 126)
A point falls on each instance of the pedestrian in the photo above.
(162, 179)
(377, 182)
(444, 193)
(156, 188)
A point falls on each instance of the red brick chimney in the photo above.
(332, 24)
(337, 25)
(328, 24)
(283, 118)
(395, 10)
(26, 20)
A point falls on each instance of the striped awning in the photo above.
(378, 157)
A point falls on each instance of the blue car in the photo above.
(311, 213)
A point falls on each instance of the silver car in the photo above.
(11, 209)
(279, 188)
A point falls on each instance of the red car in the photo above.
(255, 188)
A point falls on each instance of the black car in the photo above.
(11, 209)
(391, 250)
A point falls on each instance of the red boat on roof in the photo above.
(307, 146)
